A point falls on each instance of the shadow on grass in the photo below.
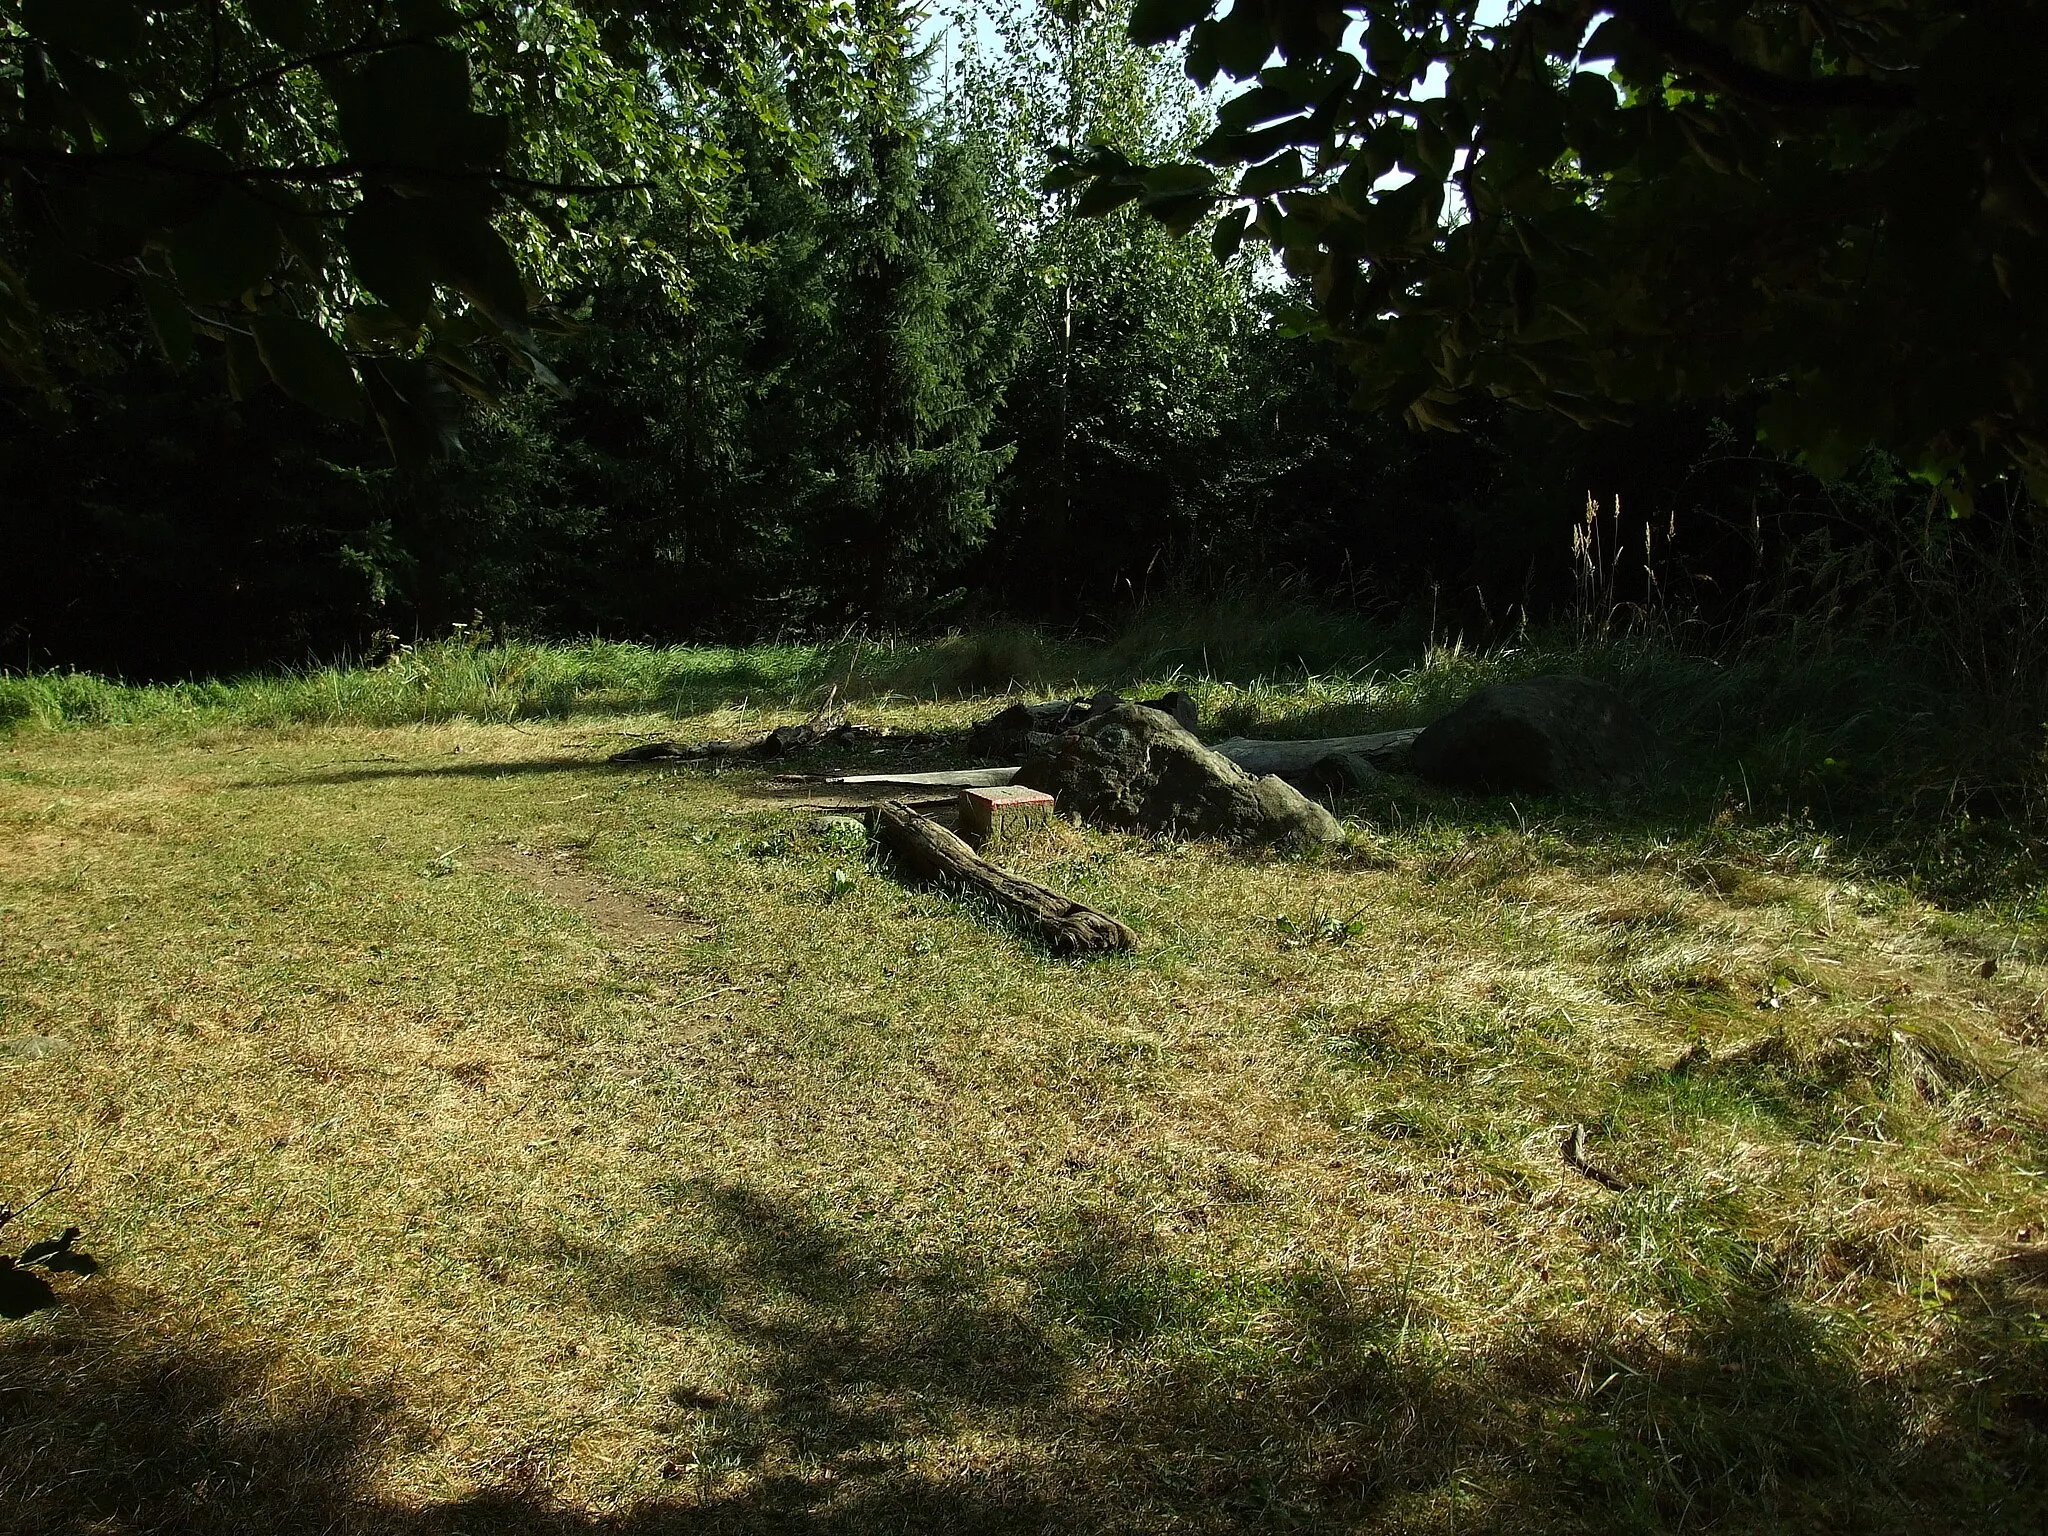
(1106, 1388)
(482, 770)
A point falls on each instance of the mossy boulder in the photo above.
(1558, 734)
(1137, 769)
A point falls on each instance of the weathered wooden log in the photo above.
(932, 852)
(1383, 750)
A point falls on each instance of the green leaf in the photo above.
(410, 106)
(245, 368)
(474, 259)
(169, 319)
(390, 244)
(107, 30)
(1243, 40)
(287, 23)
(1180, 212)
(1229, 233)
(1104, 195)
(106, 101)
(1274, 176)
(226, 251)
(308, 365)
(62, 280)
(1177, 180)
(1261, 104)
(1161, 21)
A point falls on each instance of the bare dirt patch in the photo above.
(560, 876)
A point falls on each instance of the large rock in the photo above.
(1553, 735)
(1009, 733)
(1135, 768)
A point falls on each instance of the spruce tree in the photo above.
(920, 358)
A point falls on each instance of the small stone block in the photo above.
(1002, 810)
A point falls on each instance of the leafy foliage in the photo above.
(1133, 347)
(1591, 208)
(357, 200)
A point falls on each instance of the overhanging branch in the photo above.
(1712, 62)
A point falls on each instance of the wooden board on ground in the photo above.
(951, 778)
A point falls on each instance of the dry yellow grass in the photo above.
(481, 1139)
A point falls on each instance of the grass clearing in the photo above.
(482, 1139)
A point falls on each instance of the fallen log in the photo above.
(932, 852)
(1384, 750)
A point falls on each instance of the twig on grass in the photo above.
(10, 1213)
(706, 997)
(1574, 1153)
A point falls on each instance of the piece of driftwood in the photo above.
(949, 778)
(929, 850)
(1381, 749)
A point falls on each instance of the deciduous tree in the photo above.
(1595, 205)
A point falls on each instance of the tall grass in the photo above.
(437, 681)
(1863, 731)
(1818, 712)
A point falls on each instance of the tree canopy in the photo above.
(364, 199)
(1591, 206)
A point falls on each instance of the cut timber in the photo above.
(951, 778)
(1382, 749)
(929, 850)
(1001, 809)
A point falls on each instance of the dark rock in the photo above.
(1180, 704)
(1139, 770)
(1552, 735)
(1301, 762)
(1009, 733)
(1341, 773)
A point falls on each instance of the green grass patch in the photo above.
(481, 1138)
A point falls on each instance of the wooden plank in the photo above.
(950, 778)
(1382, 749)
(929, 850)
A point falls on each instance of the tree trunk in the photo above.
(929, 850)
